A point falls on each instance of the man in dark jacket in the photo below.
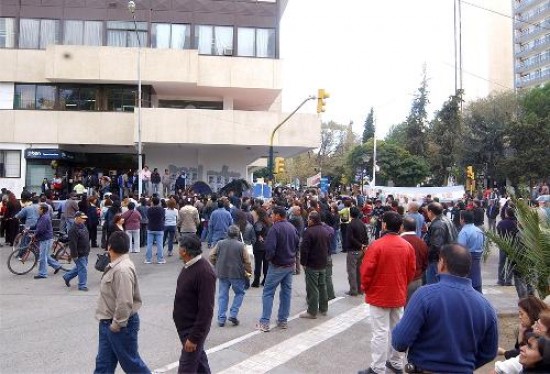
(281, 245)
(441, 232)
(79, 244)
(357, 237)
(155, 231)
(314, 251)
(194, 305)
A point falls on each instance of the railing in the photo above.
(532, 15)
(535, 47)
(533, 63)
(519, 7)
(533, 79)
(543, 28)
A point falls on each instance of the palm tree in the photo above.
(530, 250)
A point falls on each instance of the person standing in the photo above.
(142, 209)
(117, 311)
(451, 305)
(181, 182)
(314, 253)
(281, 245)
(170, 222)
(492, 214)
(219, 222)
(194, 305)
(155, 181)
(79, 245)
(472, 238)
(295, 217)
(410, 234)
(232, 264)
(92, 222)
(440, 232)
(357, 238)
(145, 176)
(132, 225)
(508, 228)
(262, 225)
(188, 218)
(166, 183)
(71, 207)
(420, 222)
(387, 269)
(155, 231)
(43, 234)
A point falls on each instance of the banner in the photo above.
(314, 180)
(452, 193)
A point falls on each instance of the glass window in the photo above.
(175, 36)
(180, 36)
(24, 97)
(123, 34)
(121, 99)
(83, 33)
(73, 32)
(29, 33)
(10, 164)
(45, 97)
(7, 32)
(93, 33)
(49, 32)
(161, 35)
(78, 98)
(214, 40)
(256, 42)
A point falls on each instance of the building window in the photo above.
(83, 33)
(24, 97)
(256, 42)
(175, 36)
(78, 98)
(190, 104)
(214, 40)
(7, 32)
(123, 34)
(38, 33)
(10, 164)
(45, 96)
(121, 99)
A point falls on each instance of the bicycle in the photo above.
(23, 260)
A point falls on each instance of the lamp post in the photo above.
(132, 9)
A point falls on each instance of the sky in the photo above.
(369, 53)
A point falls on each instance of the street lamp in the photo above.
(132, 10)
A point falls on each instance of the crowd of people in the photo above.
(393, 247)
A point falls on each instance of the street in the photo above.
(47, 328)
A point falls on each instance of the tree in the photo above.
(416, 122)
(445, 146)
(397, 135)
(369, 130)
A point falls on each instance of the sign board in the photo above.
(419, 193)
(47, 154)
(262, 191)
(324, 184)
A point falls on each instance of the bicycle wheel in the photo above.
(62, 254)
(21, 261)
(17, 241)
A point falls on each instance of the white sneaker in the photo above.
(147, 262)
(161, 262)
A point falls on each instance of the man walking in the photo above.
(357, 238)
(440, 232)
(219, 222)
(117, 307)
(79, 244)
(387, 269)
(43, 234)
(155, 231)
(410, 234)
(194, 306)
(450, 305)
(472, 238)
(281, 245)
(314, 252)
(232, 264)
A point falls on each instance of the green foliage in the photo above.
(397, 134)
(416, 123)
(530, 252)
(369, 129)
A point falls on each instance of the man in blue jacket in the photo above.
(219, 223)
(281, 245)
(43, 234)
(448, 327)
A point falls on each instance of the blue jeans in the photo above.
(275, 276)
(81, 270)
(44, 259)
(169, 233)
(69, 223)
(157, 237)
(431, 273)
(223, 297)
(119, 347)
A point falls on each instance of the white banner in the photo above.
(314, 180)
(419, 193)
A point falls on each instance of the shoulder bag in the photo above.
(102, 261)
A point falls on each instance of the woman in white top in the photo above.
(170, 222)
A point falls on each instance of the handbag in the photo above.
(102, 261)
(248, 247)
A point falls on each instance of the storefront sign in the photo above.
(47, 154)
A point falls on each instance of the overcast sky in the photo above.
(370, 53)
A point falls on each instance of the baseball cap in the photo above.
(80, 215)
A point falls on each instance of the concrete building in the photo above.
(531, 42)
(211, 78)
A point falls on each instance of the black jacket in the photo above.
(440, 232)
(315, 247)
(79, 241)
(356, 235)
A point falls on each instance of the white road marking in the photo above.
(290, 348)
(491, 291)
(230, 343)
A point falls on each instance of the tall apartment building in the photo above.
(531, 42)
(211, 79)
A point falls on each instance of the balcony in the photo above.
(539, 47)
(533, 80)
(534, 33)
(533, 64)
(532, 16)
(524, 5)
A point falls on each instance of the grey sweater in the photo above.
(230, 259)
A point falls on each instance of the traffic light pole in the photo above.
(270, 160)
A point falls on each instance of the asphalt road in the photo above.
(47, 328)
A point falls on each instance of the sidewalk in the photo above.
(503, 299)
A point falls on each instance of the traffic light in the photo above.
(279, 165)
(321, 96)
(470, 172)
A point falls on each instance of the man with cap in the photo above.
(79, 244)
(71, 207)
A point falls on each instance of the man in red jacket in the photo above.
(388, 267)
